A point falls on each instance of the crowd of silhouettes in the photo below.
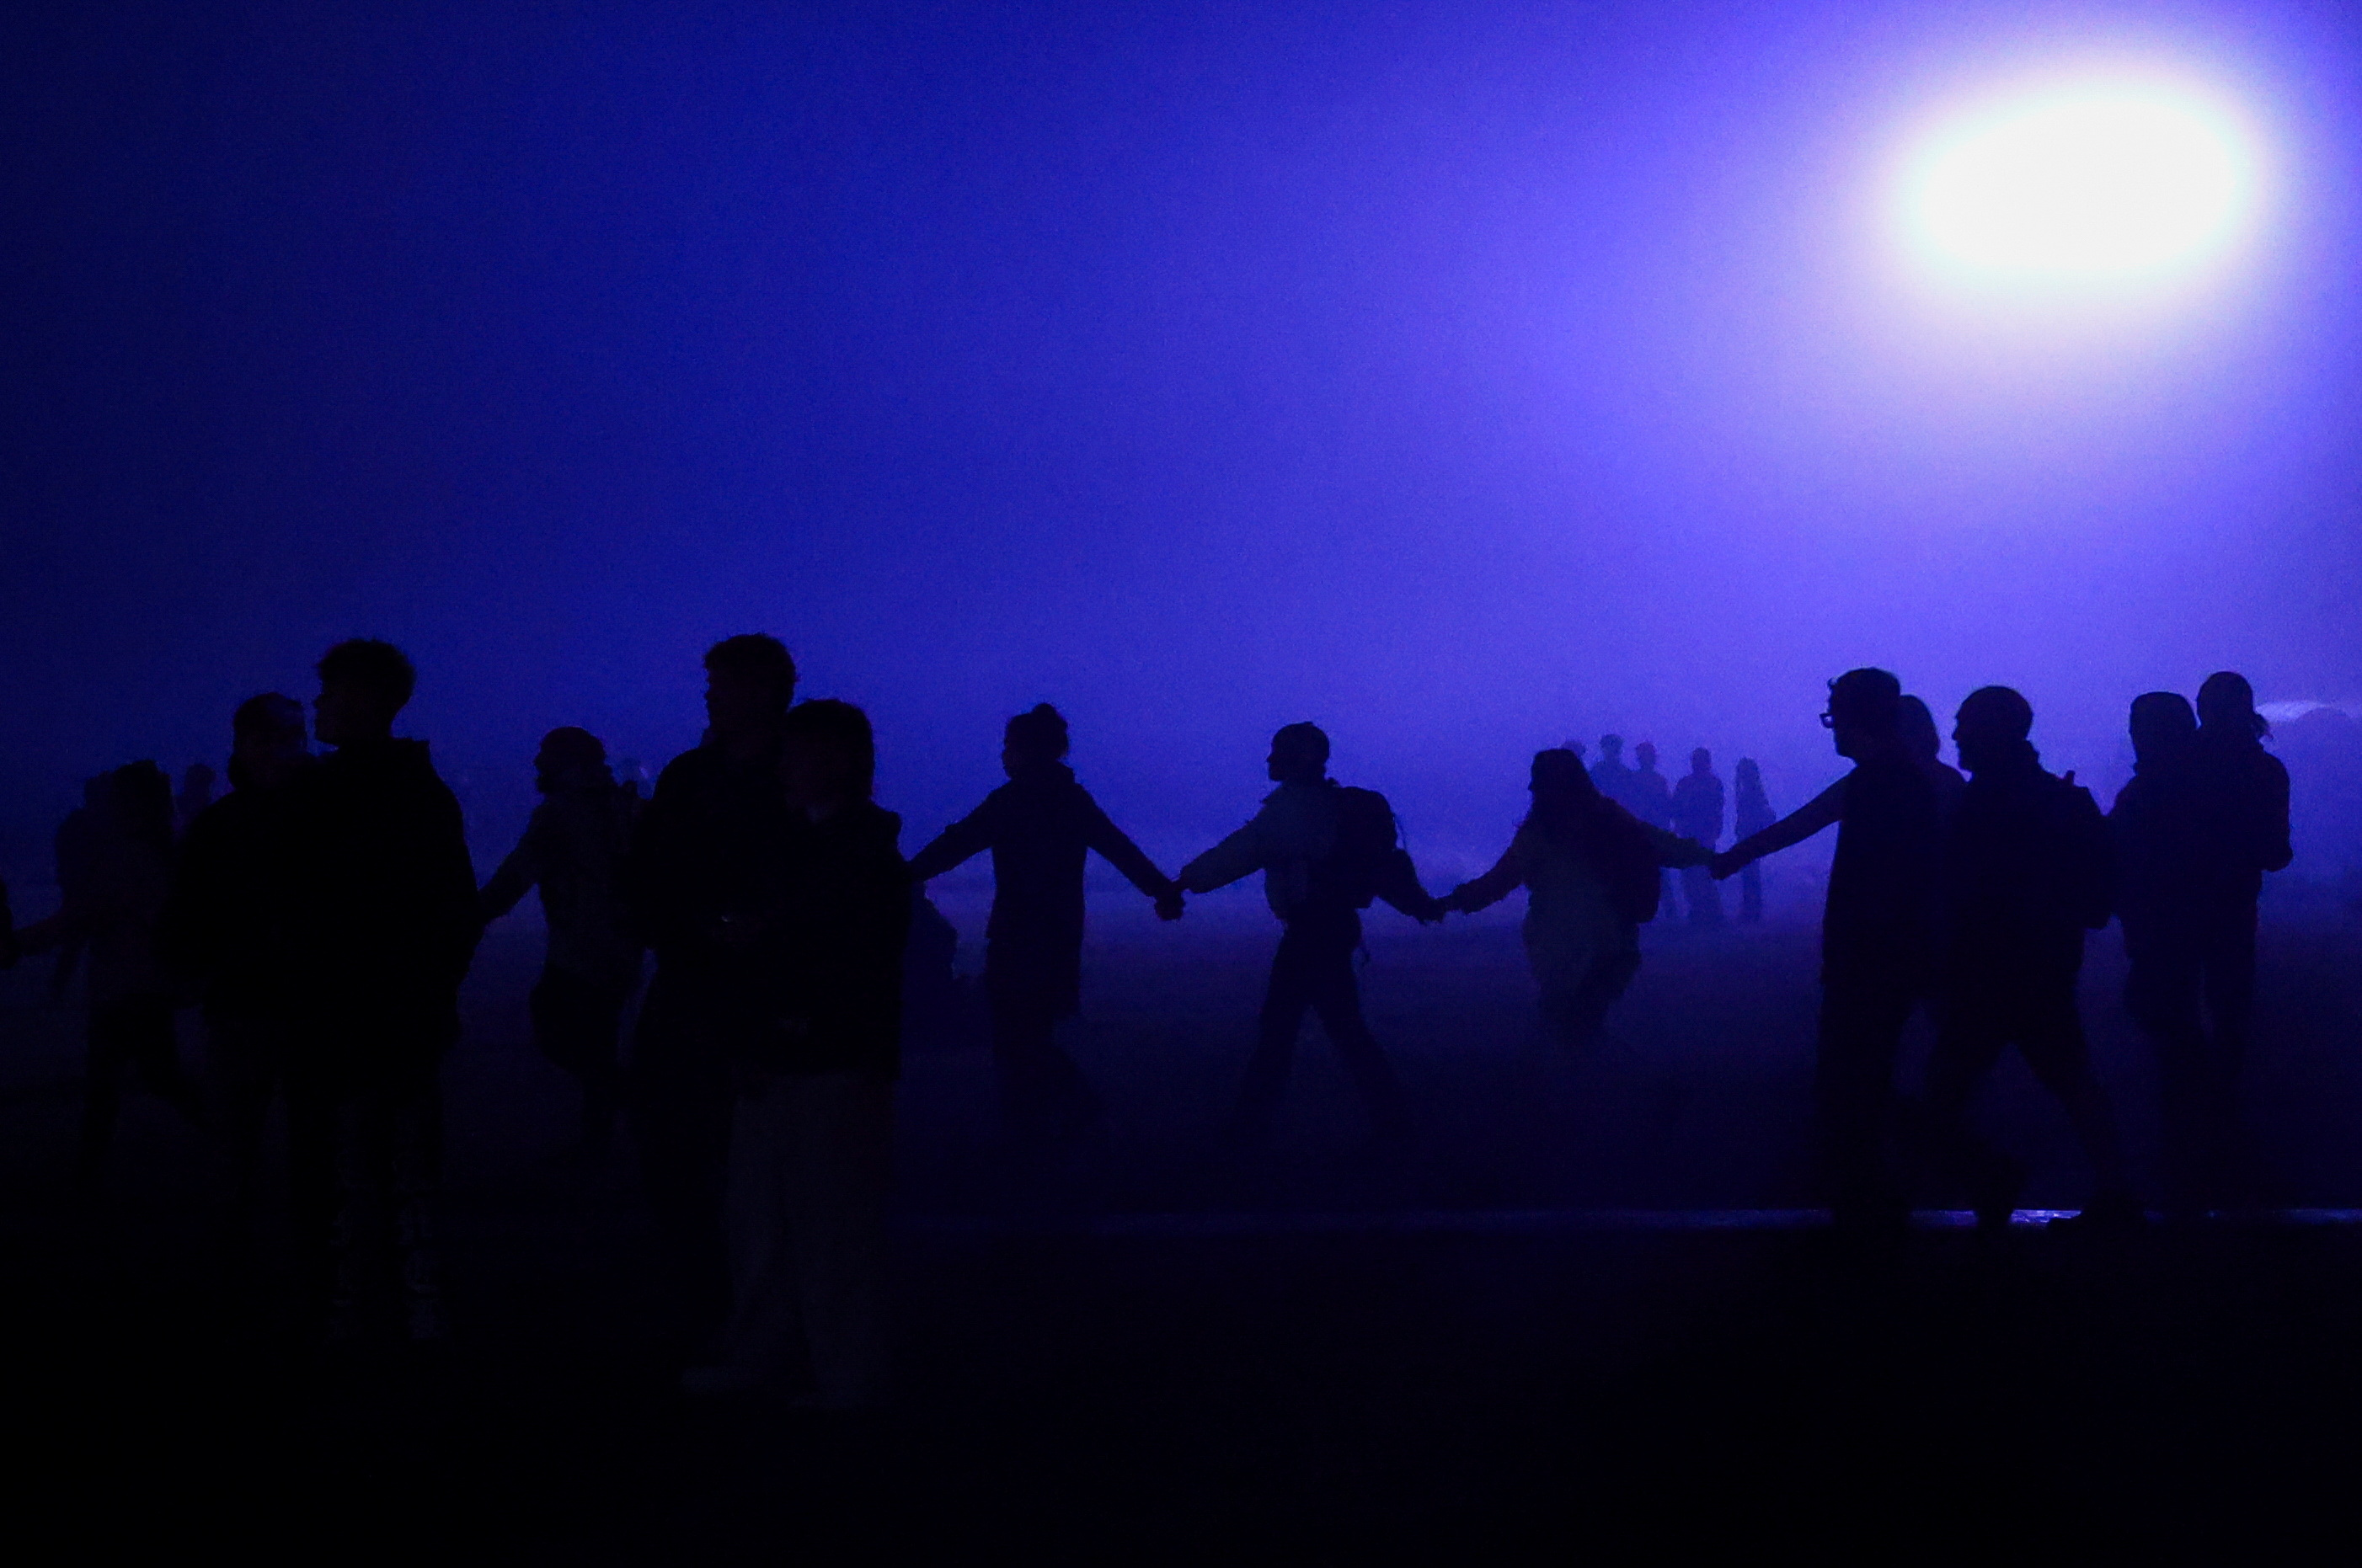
(324, 912)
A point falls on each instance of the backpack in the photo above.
(1368, 856)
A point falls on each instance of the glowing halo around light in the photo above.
(2088, 183)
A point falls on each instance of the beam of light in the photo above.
(2092, 182)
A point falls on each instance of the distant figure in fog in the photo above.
(812, 1128)
(1326, 853)
(230, 931)
(196, 793)
(1652, 797)
(1591, 874)
(1752, 812)
(122, 871)
(1878, 936)
(574, 849)
(1611, 776)
(385, 909)
(2027, 870)
(699, 892)
(1040, 827)
(1696, 814)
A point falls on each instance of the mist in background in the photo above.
(1465, 377)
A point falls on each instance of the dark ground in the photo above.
(1269, 1364)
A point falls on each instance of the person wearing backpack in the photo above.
(1589, 870)
(2029, 869)
(1327, 852)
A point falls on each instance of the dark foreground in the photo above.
(1153, 1352)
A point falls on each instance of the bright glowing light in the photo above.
(2084, 183)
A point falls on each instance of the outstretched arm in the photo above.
(1509, 874)
(1792, 829)
(1240, 855)
(1674, 850)
(1399, 885)
(1100, 833)
(971, 835)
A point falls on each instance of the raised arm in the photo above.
(971, 835)
(1792, 829)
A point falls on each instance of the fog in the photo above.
(1464, 378)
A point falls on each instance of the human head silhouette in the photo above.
(1992, 727)
(1644, 756)
(569, 757)
(1916, 727)
(750, 679)
(1033, 739)
(1702, 763)
(1299, 754)
(2162, 728)
(363, 683)
(1747, 775)
(2226, 708)
(267, 742)
(1865, 707)
(1611, 749)
(828, 756)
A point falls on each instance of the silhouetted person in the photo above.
(386, 911)
(575, 851)
(699, 889)
(1326, 853)
(2027, 870)
(1878, 933)
(230, 930)
(1752, 812)
(1611, 776)
(111, 907)
(812, 1139)
(1697, 817)
(2159, 828)
(1041, 827)
(2243, 832)
(78, 851)
(196, 793)
(1590, 870)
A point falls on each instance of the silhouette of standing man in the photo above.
(1326, 852)
(386, 910)
(1878, 933)
(1697, 817)
(2027, 870)
(697, 884)
(1040, 827)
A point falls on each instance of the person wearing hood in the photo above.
(2027, 870)
(574, 850)
(812, 1129)
(1591, 869)
(385, 903)
(228, 931)
(1040, 827)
